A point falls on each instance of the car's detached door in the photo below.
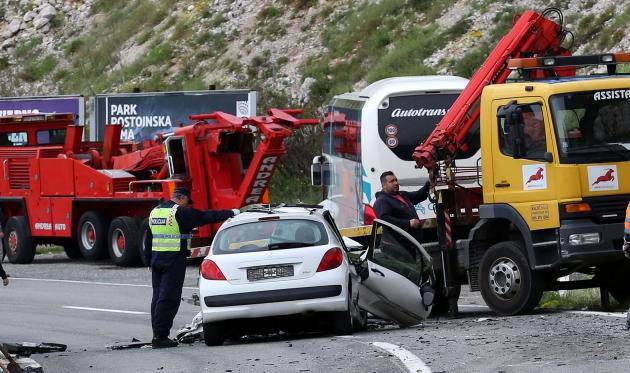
(395, 266)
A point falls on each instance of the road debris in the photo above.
(482, 319)
(26, 349)
(135, 343)
(16, 364)
(191, 332)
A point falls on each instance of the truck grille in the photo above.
(18, 174)
(609, 209)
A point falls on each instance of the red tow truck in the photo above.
(93, 198)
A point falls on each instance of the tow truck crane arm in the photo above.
(532, 34)
(274, 128)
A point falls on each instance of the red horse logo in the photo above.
(537, 176)
(608, 176)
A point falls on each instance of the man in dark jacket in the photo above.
(397, 207)
(171, 225)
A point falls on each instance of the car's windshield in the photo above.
(270, 235)
(592, 127)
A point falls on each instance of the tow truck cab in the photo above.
(556, 183)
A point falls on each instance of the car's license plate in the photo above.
(266, 272)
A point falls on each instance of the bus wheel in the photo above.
(18, 243)
(123, 241)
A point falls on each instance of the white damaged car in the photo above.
(287, 262)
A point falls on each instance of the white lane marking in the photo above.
(91, 282)
(409, 360)
(105, 310)
(598, 313)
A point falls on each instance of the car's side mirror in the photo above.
(320, 171)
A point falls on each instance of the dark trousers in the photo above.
(168, 280)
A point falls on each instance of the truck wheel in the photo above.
(123, 241)
(71, 247)
(142, 249)
(92, 235)
(19, 244)
(508, 286)
(213, 334)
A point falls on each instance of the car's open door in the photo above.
(396, 273)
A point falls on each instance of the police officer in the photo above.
(171, 223)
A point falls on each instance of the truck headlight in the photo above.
(584, 239)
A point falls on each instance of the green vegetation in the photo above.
(584, 299)
(592, 25)
(301, 4)
(106, 6)
(24, 50)
(4, 63)
(268, 12)
(35, 70)
(94, 54)
(218, 20)
(614, 32)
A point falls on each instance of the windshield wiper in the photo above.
(288, 245)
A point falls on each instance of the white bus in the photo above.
(375, 130)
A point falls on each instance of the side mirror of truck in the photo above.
(513, 116)
(320, 171)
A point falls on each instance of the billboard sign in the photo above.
(143, 115)
(52, 104)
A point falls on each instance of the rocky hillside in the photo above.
(294, 52)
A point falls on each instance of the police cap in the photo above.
(183, 191)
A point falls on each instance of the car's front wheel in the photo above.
(213, 334)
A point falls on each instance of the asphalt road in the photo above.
(89, 306)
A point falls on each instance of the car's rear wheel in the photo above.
(343, 322)
(213, 334)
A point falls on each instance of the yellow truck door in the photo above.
(529, 183)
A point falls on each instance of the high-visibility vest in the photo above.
(165, 230)
(626, 225)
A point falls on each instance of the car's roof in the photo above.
(285, 212)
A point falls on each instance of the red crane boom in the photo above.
(532, 34)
